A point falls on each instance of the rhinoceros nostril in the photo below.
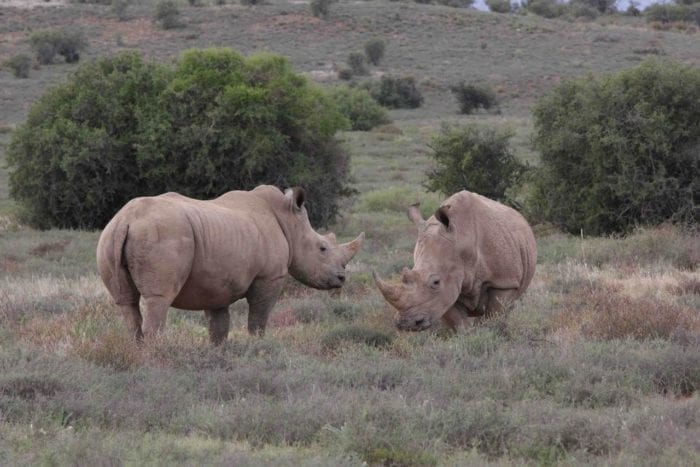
(341, 278)
(420, 322)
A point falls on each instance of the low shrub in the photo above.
(20, 65)
(354, 334)
(374, 51)
(396, 92)
(603, 312)
(473, 96)
(167, 15)
(119, 7)
(48, 43)
(358, 106)
(320, 8)
(499, 6)
(356, 62)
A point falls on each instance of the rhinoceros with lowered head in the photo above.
(171, 250)
(472, 258)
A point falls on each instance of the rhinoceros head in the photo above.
(428, 290)
(316, 260)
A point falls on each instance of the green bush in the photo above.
(374, 51)
(599, 6)
(356, 62)
(621, 150)
(363, 112)
(119, 7)
(545, 8)
(121, 128)
(667, 13)
(167, 15)
(20, 65)
(320, 8)
(499, 6)
(475, 159)
(396, 92)
(48, 43)
(473, 96)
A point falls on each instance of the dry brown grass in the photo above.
(605, 312)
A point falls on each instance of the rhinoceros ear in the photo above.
(442, 215)
(297, 195)
(415, 215)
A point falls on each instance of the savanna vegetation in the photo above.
(598, 364)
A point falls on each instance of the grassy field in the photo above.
(598, 364)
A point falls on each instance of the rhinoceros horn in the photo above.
(414, 214)
(391, 292)
(350, 249)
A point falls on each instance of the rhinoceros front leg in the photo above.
(262, 296)
(219, 324)
(457, 320)
(499, 300)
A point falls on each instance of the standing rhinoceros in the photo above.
(171, 250)
(473, 257)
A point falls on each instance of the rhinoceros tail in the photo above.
(111, 263)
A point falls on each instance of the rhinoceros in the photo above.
(473, 257)
(171, 250)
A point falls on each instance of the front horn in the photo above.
(350, 249)
(392, 293)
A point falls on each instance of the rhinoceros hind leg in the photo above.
(219, 324)
(262, 296)
(133, 320)
(155, 311)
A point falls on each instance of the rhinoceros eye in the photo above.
(434, 282)
(323, 247)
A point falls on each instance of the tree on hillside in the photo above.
(122, 127)
(621, 150)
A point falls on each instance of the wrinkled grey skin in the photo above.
(171, 250)
(472, 258)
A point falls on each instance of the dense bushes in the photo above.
(475, 159)
(473, 96)
(122, 127)
(363, 112)
(668, 13)
(396, 92)
(621, 150)
(51, 42)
